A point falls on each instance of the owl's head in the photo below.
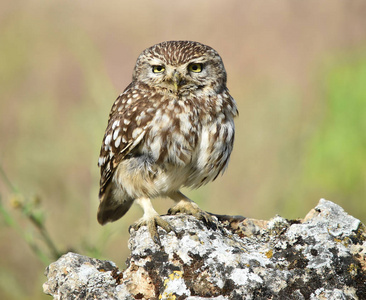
(181, 67)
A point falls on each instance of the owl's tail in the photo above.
(112, 206)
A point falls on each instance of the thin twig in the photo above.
(7, 181)
(34, 220)
(46, 237)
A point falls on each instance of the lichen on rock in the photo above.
(322, 256)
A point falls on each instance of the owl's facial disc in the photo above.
(178, 78)
(171, 78)
(183, 78)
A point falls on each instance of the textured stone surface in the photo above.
(322, 256)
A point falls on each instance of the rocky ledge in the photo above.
(322, 256)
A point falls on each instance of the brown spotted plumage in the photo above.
(171, 127)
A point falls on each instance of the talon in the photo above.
(152, 223)
(191, 208)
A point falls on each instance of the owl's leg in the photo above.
(151, 219)
(187, 206)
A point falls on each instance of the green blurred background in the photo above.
(297, 70)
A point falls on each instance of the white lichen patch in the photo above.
(205, 298)
(174, 286)
(244, 277)
(277, 222)
(85, 271)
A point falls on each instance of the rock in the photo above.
(322, 256)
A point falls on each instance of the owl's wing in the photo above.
(127, 124)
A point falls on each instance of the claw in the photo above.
(191, 208)
(152, 223)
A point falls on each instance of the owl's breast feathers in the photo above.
(194, 131)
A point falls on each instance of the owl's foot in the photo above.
(152, 223)
(151, 219)
(190, 208)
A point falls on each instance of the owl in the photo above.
(172, 127)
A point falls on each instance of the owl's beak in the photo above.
(177, 80)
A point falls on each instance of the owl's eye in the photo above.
(196, 68)
(158, 69)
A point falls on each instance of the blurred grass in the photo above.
(298, 75)
(335, 163)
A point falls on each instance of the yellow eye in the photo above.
(196, 68)
(158, 69)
